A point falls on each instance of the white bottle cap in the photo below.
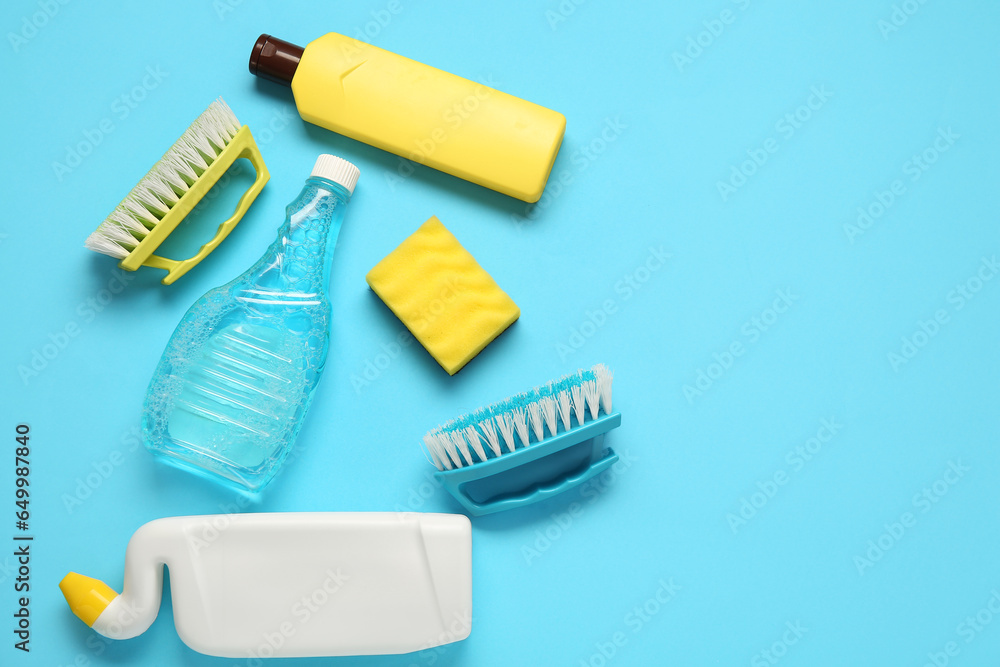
(338, 170)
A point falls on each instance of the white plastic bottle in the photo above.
(293, 584)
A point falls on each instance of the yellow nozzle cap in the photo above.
(87, 597)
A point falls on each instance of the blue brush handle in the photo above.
(456, 480)
(596, 468)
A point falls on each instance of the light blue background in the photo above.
(682, 128)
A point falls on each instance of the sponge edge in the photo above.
(443, 296)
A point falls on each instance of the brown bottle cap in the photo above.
(274, 59)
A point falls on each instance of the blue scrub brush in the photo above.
(528, 447)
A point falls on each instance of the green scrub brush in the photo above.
(173, 187)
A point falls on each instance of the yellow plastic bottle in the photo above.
(438, 119)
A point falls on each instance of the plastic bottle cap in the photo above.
(87, 597)
(338, 170)
(275, 59)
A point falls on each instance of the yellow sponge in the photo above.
(442, 295)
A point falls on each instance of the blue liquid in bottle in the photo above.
(239, 372)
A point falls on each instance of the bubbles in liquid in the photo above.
(232, 386)
(240, 370)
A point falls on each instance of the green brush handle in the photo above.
(242, 146)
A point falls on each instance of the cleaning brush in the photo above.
(528, 447)
(173, 187)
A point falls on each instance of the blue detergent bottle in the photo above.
(237, 377)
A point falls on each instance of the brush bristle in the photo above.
(168, 180)
(521, 421)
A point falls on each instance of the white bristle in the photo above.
(146, 197)
(604, 377)
(472, 436)
(489, 431)
(578, 404)
(520, 424)
(123, 229)
(535, 419)
(128, 223)
(547, 405)
(139, 214)
(496, 430)
(591, 395)
(443, 453)
(433, 453)
(162, 187)
(449, 448)
(463, 448)
(564, 405)
(505, 424)
(183, 167)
